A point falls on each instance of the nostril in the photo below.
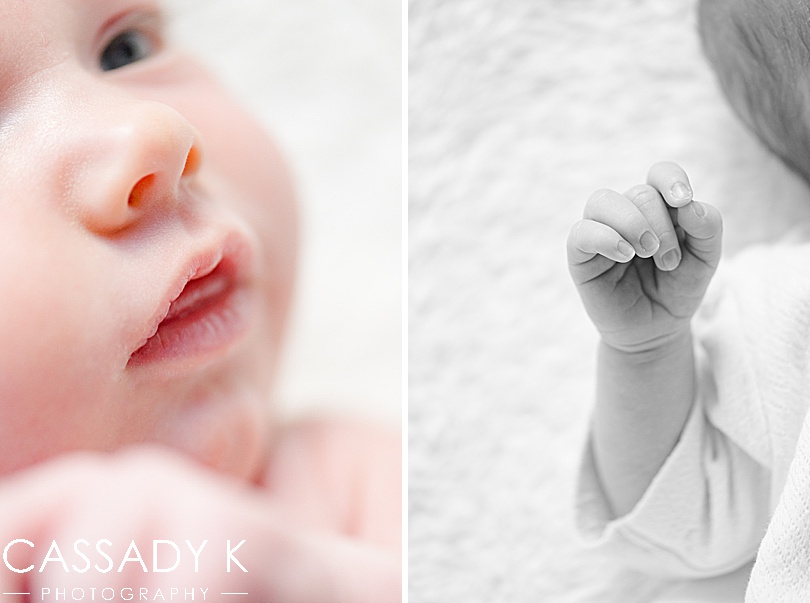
(192, 161)
(140, 190)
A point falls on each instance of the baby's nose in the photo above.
(129, 162)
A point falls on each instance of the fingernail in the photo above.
(649, 242)
(681, 192)
(626, 249)
(671, 259)
(698, 208)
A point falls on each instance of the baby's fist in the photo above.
(642, 260)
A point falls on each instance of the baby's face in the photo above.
(147, 242)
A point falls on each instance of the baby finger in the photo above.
(619, 213)
(589, 238)
(703, 226)
(671, 181)
(651, 204)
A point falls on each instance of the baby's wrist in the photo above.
(659, 346)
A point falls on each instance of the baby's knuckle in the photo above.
(148, 462)
(668, 240)
(599, 196)
(82, 464)
(642, 195)
(665, 165)
(575, 234)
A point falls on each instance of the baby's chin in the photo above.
(226, 435)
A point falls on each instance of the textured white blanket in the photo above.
(518, 110)
(780, 573)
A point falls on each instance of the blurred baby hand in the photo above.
(642, 261)
(148, 523)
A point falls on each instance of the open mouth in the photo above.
(206, 318)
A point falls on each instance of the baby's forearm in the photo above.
(642, 403)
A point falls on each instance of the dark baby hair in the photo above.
(760, 52)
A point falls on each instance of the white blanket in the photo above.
(518, 110)
(781, 571)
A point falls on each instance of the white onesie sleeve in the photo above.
(704, 513)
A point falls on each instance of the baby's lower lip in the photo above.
(203, 322)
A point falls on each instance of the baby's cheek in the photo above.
(47, 408)
(54, 377)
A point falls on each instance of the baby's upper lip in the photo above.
(231, 249)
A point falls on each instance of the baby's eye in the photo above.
(125, 48)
